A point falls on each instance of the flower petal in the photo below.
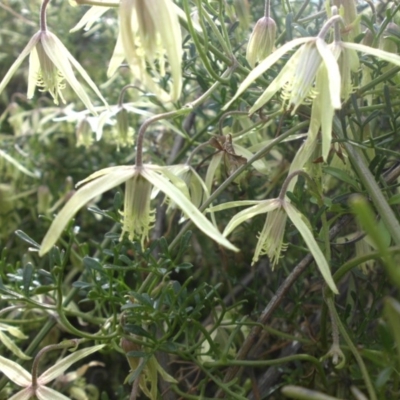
(242, 216)
(333, 72)
(266, 64)
(77, 201)
(383, 55)
(89, 18)
(59, 367)
(13, 347)
(212, 168)
(117, 57)
(24, 394)
(31, 44)
(15, 372)
(284, 76)
(63, 59)
(166, 20)
(45, 393)
(311, 243)
(34, 70)
(187, 207)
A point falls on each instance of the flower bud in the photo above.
(44, 199)
(388, 41)
(84, 133)
(261, 41)
(125, 133)
(368, 38)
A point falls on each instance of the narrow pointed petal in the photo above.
(13, 331)
(231, 204)
(276, 84)
(77, 201)
(383, 55)
(126, 33)
(24, 394)
(61, 366)
(63, 59)
(326, 110)
(166, 21)
(333, 72)
(89, 18)
(34, 70)
(25, 52)
(312, 245)
(266, 64)
(261, 208)
(211, 170)
(15, 372)
(128, 169)
(45, 393)
(13, 347)
(117, 57)
(187, 207)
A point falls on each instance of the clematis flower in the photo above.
(50, 63)
(270, 240)
(149, 31)
(36, 388)
(297, 77)
(137, 214)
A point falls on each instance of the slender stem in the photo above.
(267, 8)
(354, 350)
(286, 183)
(328, 24)
(35, 365)
(335, 348)
(43, 22)
(199, 46)
(122, 93)
(195, 150)
(185, 110)
(226, 115)
(143, 129)
(374, 191)
(336, 27)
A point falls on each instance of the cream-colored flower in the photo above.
(270, 240)
(297, 77)
(50, 63)
(149, 32)
(137, 214)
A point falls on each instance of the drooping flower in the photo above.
(50, 64)
(149, 31)
(137, 214)
(297, 77)
(270, 240)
